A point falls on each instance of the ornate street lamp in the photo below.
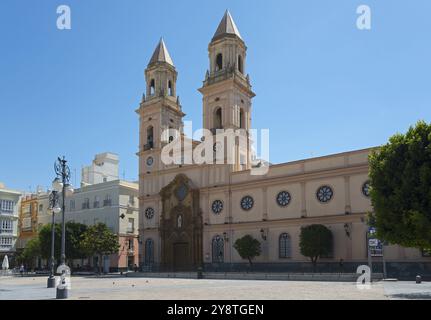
(61, 184)
(54, 208)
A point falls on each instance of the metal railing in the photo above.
(7, 212)
(148, 146)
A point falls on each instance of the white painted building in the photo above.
(43, 212)
(104, 168)
(103, 198)
(114, 203)
(9, 208)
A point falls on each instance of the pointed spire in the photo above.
(226, 26)
(161, 54)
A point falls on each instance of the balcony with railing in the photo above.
(5, 247)
(7, 207)
(6, 244)
(148, 146)
(8, 213)
(226, 73)
(5, 211)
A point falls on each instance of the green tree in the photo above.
(74, 232)
(247, 247)
(74, 249)
(30, 253)
(400, 173)
(315, 241)
(45, 241)
(99, 240)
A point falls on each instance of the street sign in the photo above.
(373, 242)
(375, 246)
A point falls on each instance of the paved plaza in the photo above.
(119, 287)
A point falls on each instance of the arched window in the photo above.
(218, 249)
(152, 87)
(219, 62)
(240, 65)
(149, 252)
(241, 118)
(284, 246)
(170, 90)
(171, 134)
(150, 137)
(218, 118)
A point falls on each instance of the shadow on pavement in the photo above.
(414, 296)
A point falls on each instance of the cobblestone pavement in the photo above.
(116, 287)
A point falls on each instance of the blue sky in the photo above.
(322, 85)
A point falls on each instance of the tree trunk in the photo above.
(314, 262)
(100, 264)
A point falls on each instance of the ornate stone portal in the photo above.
(181, 226)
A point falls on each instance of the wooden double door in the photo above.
(181, 256)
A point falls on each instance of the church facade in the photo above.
(192, 214)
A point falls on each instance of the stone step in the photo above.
(345, 277)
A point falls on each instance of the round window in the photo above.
(283, 198)
(247, 203)
(217, 206)
(324, 194)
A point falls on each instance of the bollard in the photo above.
(418, 279)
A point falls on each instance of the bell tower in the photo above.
(226, 89)
(160, 75)
(159, 109)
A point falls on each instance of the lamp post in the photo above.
(61, 184)
(54, 208)
(371, 231)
